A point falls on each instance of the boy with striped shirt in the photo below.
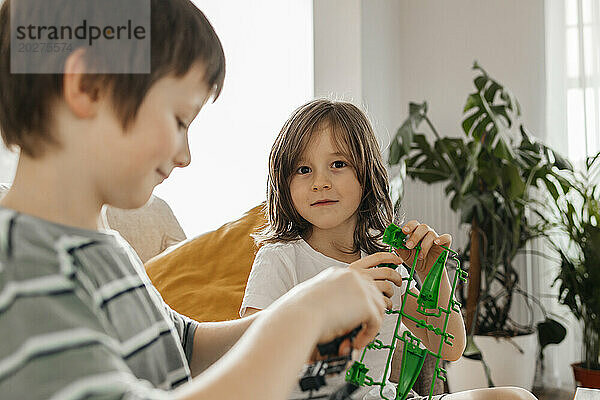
(78, 315)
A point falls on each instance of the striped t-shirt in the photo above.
(79, 317)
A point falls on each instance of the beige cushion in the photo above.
(149, 230)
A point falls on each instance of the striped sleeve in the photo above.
(185, 327)
(55, 347)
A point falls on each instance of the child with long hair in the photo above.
(328, 204)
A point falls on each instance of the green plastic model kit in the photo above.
(413, 356)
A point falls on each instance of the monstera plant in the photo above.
(490, 175)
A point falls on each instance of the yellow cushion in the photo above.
(205, 277)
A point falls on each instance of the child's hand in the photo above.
(430, 245)
(383, 277)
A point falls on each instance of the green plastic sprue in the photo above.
(413, 355)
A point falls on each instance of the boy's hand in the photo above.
(343, 298)
(384, 277)
(430, 246)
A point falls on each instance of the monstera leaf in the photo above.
(404, 136)
(489, 111)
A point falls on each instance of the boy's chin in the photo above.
(131, 202)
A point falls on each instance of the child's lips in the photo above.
(324, 203)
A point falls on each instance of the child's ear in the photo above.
(81, 94)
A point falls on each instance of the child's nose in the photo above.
(316, 188)
(321, 183)
(183, 157)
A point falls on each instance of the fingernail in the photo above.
(436, 241)
(405, 229)
(409, 244)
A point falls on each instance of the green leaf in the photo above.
(422, 144)
(503, 151)
(561, 162)
(480, 82)
(405, 135)
(480, 129)
(552, 189)
(491, 91)
(455, 201)
(427, 176)
(550, 331)
(526, 142)
(501, 111)
(565, 184)
(472, 101)
(490, 177)
(468, 122)
(396, 153)
(516, 186)
(417, 111)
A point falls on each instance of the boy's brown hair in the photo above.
(180, 35)
(354, 135)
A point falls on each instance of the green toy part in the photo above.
(413, 358)
(394, 236)
(428, 297)
(357, 374)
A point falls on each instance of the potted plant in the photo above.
(577, 216)
(489, 176)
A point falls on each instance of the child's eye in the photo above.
(303, 170)
(339, 164)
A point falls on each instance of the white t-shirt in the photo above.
(279, 267)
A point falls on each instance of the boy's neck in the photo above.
(335, 243)
(53, 192)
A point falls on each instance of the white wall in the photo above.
(337, 50)
(438, 42)
(268, 50)
(415, 50)
(381, 66)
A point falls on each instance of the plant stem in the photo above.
(435, 132)
(474, 285)
(591, 342)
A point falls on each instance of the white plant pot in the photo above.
(507, 365)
